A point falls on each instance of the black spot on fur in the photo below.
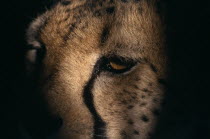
(130, 122)
(153, 68)
(104, 35)
(136, 132)
(65, 2)
(145, 90)
(130, 106)
(143, 96)
(136, 0)
(144, 118)
(136, 87)
(72, 27)
(133, 97)
(143, 104)
(124, 0)
(110, 10)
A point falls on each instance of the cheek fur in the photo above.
(127, 104)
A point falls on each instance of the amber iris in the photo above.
(117, 66)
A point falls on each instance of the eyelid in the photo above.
(121, 60)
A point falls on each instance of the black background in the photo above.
(186, 114)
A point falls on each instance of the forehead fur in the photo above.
(128, 28)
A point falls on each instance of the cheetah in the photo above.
(102, 68)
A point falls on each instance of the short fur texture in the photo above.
(76, 34)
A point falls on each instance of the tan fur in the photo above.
(71, 54)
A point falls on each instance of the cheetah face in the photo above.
(103, 67)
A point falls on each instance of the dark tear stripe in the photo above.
(99, 124)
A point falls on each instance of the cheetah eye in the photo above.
(116, 66)
(119, 65)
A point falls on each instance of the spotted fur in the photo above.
(77, 36)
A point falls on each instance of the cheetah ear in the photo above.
(35, 49)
